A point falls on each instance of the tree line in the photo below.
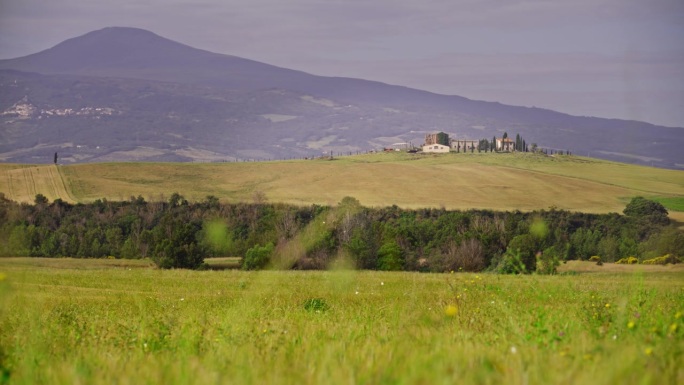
(175, 233)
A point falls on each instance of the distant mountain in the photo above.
(128, 94)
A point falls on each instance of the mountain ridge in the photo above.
(131, 55)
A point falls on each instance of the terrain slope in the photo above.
(452, 181)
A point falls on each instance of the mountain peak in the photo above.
(104, 49)
(117, 36)
(135, 53)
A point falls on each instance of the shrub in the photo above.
(628, 261)
(257, 257)
(664, 260)
(511, 263)
(468, 256)
(548, 261)
(594, 258)
(316, 305)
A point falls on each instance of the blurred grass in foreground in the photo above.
(120, 324)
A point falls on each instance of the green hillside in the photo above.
(453, 181)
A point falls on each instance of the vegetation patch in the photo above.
(664, 260)
(671, 203)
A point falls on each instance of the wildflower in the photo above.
(648, 351)
(182, 299)
(614, 337)
(356, 292)
(451, 310)
(673, 328)
(630, 325)
(587, 357)
(514, 350)
(607, 306)
(382, 284)
(678, 315)
(3, 276)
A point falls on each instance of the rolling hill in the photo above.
(125, 94)
(453, 181)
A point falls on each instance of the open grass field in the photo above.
(21, 182)
(453, 181)
(97, 321)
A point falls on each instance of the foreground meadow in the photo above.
(100, 321)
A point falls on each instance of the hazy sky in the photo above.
(608, 58)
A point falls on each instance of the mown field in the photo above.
(104, 321)
(453, 181)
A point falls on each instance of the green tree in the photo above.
(175, 244)
(525, 246)
(654, 212)
(177, 200)
(443, 138)
(40, 200)
(390, 257)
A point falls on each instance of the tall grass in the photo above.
(138, 325)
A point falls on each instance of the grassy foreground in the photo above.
(520, 181)
(100, 322)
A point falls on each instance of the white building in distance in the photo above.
(440, 148)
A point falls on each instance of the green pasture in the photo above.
(97, 322)
(454, 181)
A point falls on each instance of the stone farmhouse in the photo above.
(506, 144)
(464, 145)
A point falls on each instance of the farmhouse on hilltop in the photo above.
(440, 142)
(505, 144)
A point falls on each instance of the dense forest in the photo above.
(175, 233)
